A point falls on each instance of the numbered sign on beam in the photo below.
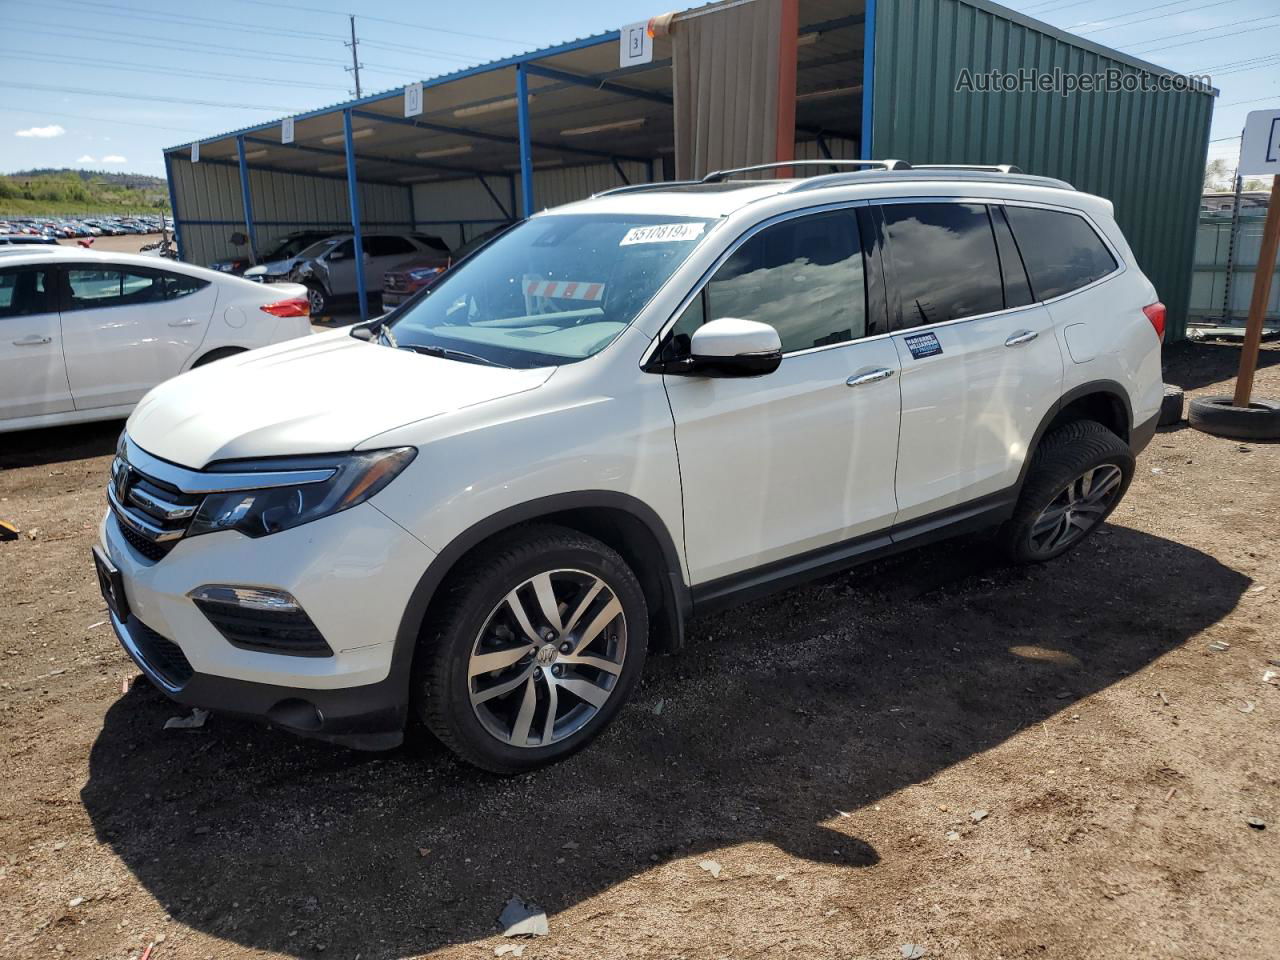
(1260, 145)
(413, 100)
(635, 44)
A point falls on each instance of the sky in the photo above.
(107, 84)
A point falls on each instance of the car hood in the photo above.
(272, 268)
(319, 394)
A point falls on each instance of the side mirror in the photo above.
(729, 347)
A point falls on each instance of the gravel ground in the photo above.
(934, 753)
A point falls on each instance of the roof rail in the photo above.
(716, 176)
(640, 187)
(981, 167)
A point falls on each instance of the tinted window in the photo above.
(389, 246)
(1061, 250)
(803, 277)
(432, 243)
(26, 291)
(94, 289)
(1017, 291)
(944, 262)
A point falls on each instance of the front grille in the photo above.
(152, 514)
(395, 282)
(268, 631)
(163, 656)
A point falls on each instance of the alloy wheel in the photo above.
(1077, 509)
(548, 658)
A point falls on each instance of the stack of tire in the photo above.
(1260, 420)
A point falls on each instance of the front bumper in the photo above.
(353, 573)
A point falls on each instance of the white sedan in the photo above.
(84, 334)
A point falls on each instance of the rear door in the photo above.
(383, 253)
(127, 328)
(33, 376)
(980, 363)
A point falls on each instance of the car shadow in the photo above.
(1193, 365)
(821, 699)
(78, 441)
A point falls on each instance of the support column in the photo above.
(353, 200)
(526, 151)
(868, 79)
(788, 44)
(247, 199)
(173, 205)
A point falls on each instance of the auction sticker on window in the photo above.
(662, 233)
(923, 345)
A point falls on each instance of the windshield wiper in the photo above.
(450, 354)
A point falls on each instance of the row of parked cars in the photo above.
(397, 264)
(69, 228)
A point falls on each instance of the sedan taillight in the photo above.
(296, 307)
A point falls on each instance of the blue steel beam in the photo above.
(173, 203)
(485, 135)
(598, 83)
(375, 158)
(247, 198)
(353, 194)
(526, 148)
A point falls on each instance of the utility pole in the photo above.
(355, 59)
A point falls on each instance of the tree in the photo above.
(1217, 175)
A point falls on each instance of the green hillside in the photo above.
(69, 192)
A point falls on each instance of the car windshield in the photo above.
(316, 249)
(286, 247)
(553, 290)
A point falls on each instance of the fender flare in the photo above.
(1108, 388)
(677, 602)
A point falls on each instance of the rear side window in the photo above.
(25, 292)
(389, 246)
(944, 262)
(803, 277)
(432, 243)
(1061, 250)
(115, 287)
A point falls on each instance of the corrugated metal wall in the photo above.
(444, 208)
(1143, 151)
(210, 207)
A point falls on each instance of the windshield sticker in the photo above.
(662, 233)
(564, 289)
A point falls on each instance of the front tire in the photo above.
(540, 641)
(317, 300)
(1079, 474)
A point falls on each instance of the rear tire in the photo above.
(318, 300)
(1219, 415)
(1078, 475)
(539, 642)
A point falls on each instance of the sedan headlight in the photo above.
(256, 513)
(426, 273)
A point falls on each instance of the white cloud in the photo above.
(86, 159)
(114, 158)
(44, 133)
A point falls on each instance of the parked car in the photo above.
(86, 334)
(485, 509)
(328, 269)
(405, 279)
(26, 239)
(283, 248)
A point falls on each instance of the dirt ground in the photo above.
(832, 748)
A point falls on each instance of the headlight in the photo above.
(426, 273)
(256, 513)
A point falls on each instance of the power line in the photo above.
(409, 48)
(1162, 16)
(355, 57)
(149, 98)
(108, 65)
(1189, 43)
(182, 19)
(1186, 33)
(81, 116)
(396, 23)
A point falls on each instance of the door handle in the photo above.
(34, 340)
(875, 376)
(188, 322)
(1022, 336)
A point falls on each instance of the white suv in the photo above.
(484, 509)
